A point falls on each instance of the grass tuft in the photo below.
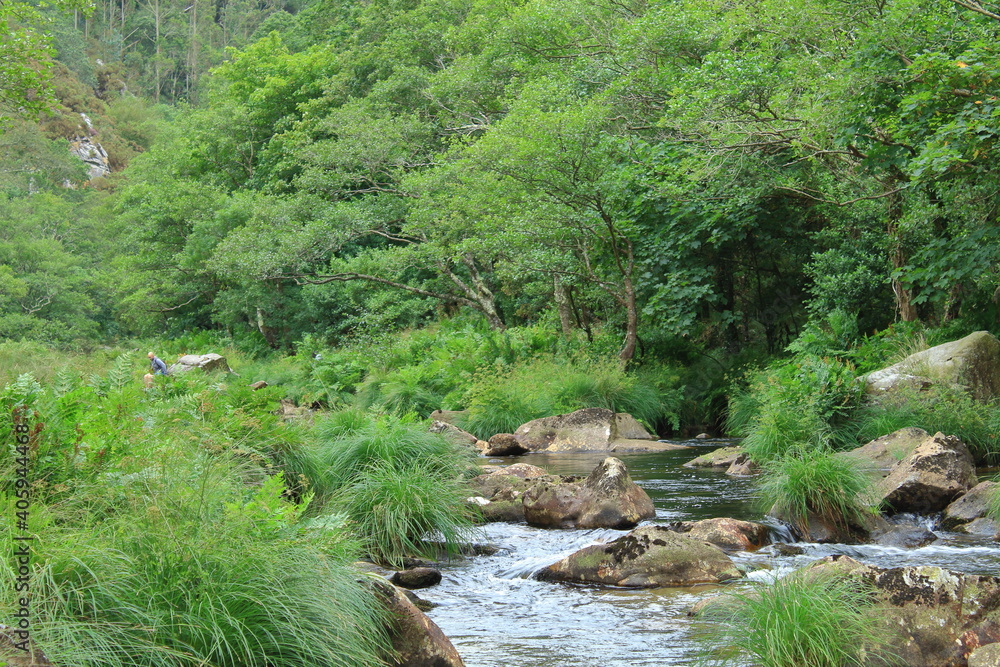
(806, 619)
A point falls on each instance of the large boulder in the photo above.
(934, 617)
(882, 454)
(608, 498)
(588, 430)
(728, 534)
(987, 655)
(416, 639)
(206, 362)
(972, 362)
(938, 471)
(973, 505)
(648, 557)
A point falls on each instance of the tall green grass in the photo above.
(394, 481)
(949, 410)
(802, 620)
(197, 567)
(811, 481)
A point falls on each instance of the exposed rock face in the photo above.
(418, 641)
(608, 498)
(417, 577)
(648, 557)
(936, 617)
(882, 454)
(93, 155)
(504, 444)
(590, 429)
(258, 385)
(982, 526)
(720, 458)
(973, 505)
(206, 362)
(938, 471)
(728, 534)
(972, 362)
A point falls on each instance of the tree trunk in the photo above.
(903, 296)
(631, 324)
(561, 297)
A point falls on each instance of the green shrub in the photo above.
(805, 481)
(805, 619)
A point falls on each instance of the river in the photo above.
(497, 615)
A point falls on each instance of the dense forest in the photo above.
(715, 216)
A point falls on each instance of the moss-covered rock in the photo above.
(648, 557)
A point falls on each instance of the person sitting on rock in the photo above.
(157, 367)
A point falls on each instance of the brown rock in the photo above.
(417, 577)
(742, 466)
(973, 505)
(938, 471)
(648, 557)
(259, 384)
(728, 534)
(447, 416)
(417, 640)
(904, 537)
(608, 498)
(206, 362)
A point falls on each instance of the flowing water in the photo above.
(497, 615)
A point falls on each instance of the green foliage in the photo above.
(805, 618)
(801, 402)
(816, 481)
(950, 411)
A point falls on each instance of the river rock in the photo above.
(416, 639)
(973, 505)
(904, 537)
(985, 656)
(417, 577)
(728, 534)
(206, 362)
(648, 557)
(742, 466)
(938, 471)
(499, 486)
(504, 444)
(502, 511)
(935, 617)
(983, 526)
(722, 457)
(972, 362)
(588, 430)
(882, 454)
(608, 498)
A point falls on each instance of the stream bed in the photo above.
(497, 615)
